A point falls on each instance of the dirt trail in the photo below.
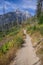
(26, 55)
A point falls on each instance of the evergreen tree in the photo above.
(39, 11)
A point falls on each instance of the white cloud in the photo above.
(26, 4)
(8, 5)
(29, 4)
(1, 7)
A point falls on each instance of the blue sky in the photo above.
(24, 5)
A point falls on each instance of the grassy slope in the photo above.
(8, 50)
(10, 32)
(36, 32)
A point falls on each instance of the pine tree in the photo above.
(39, 11)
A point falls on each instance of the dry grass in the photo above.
(39, 49)
(9, 54)
(36, 36)
(6, 58)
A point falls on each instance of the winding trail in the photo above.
(26, 55)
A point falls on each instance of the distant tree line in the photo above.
(11, 19)
(6, 27)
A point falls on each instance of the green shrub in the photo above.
(41, 20)
(18, 41)
(13, 31)
(34, 27)
(41, 29)
(4, 48)
(28, 28)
